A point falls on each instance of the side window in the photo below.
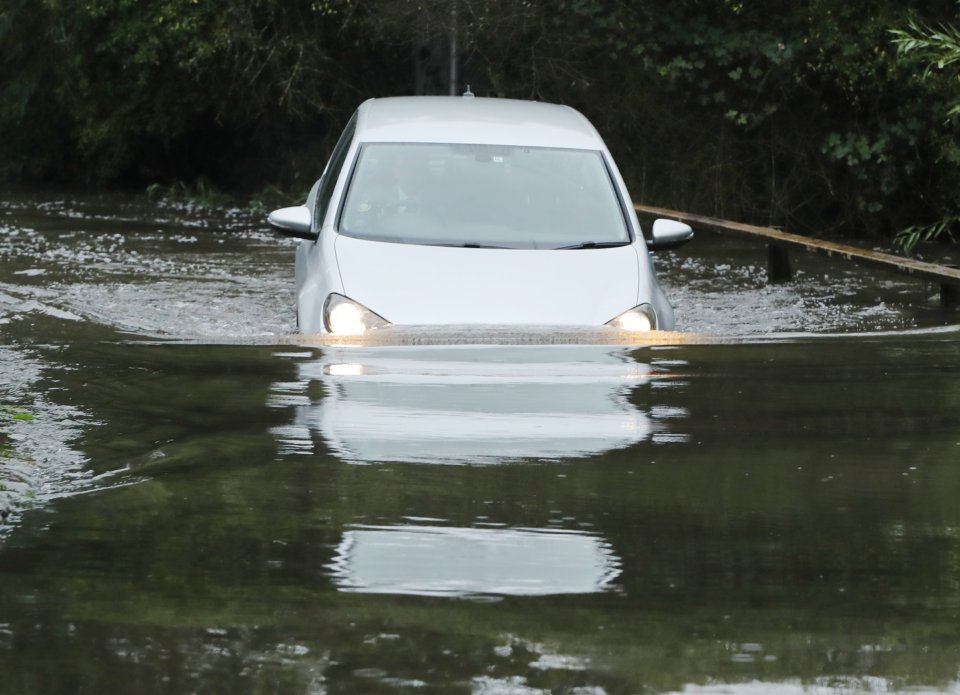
(332, 173)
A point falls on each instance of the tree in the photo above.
(159, 88)
(795, 114)
(939, 46)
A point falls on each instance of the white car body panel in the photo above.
(475, 121)
(317, 275)
(422, 285)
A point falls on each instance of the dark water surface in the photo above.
(201, 505)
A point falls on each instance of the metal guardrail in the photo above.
(779, 267)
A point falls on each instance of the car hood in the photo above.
(411, 284)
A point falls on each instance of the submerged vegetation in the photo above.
(817, 116)
(10, 412)
(12, 487)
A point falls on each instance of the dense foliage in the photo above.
(940, 45)
(797, 114)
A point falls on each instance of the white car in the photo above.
(466, 211)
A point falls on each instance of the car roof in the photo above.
(475, 120)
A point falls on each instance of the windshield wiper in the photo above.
(593, 245)
(470, 246)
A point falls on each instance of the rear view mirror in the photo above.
(294, 221)
(669, 234)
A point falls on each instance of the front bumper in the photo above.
(505, 335)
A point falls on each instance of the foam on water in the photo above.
(175, 270)
(37, 458)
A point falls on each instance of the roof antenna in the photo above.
(468, 94)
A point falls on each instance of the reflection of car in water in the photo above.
(451, 561)
(469, 211)
(457, 405)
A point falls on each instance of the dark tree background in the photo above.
(793, 113)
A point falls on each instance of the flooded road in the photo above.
(195, 501)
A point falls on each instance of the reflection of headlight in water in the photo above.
(344, 369)
(444, 561)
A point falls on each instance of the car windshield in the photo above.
(484, 196)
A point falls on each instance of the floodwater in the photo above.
(196, 502)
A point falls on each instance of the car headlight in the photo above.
(343, 316)
(638, 319)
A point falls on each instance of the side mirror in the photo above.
(669, 234)
(293, 222)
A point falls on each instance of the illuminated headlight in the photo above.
(342, 316)
(638, 319)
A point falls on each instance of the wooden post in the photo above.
(949, 295)
(778, 263)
